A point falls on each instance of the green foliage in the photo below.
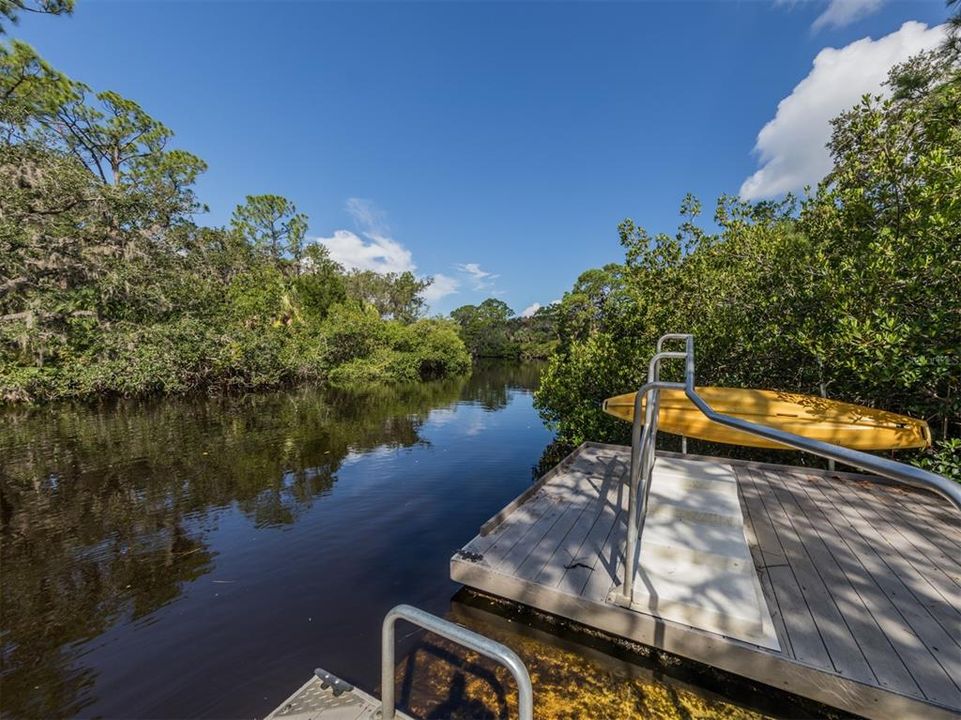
(322, 285)
(943, 458)
(10, 9)
(854, 293)
(492, 330)
(484, 328)
(272, 225)
(370, 349)
(108, 286)
(393, 295)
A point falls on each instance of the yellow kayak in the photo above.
(840, 423)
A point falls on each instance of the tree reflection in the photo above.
(492, 380)
(104, 509)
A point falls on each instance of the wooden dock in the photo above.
(862, 578)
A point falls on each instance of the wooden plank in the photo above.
(526, 513)
(541, 553)
(482, 543)
(823, 537)
(884, 664)
(559, 479)
(578, 572)
(894, 609)
(922, 607)
(915, 505)
(573, 490)
(909, 508)
(518, 524)
(841, 644)
(938, 546)
(590, 494)
(530, 538)
(514, 504)
(569, 550)
(928, 582)
(806, 642)
(569, 490)
(771, 551)
(750, 534)
(609, 567)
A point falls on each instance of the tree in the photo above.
(583, 309)
(321, 285)
(112, 137)
(855, 294)
(484, 328)
(394, 295)
(535, 337)
(108, 284)
(10, 9)
(952, 44)
(88, 193)
(272, 224)
(888, 218)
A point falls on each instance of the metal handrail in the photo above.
(891, 469)
(460, 635)
(644, 435)
(640, 468)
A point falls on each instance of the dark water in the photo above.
(199, 557)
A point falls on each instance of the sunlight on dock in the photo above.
(861, 578)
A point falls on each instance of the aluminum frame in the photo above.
(644, 436)
(460, 635)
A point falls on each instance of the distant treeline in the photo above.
(492, 330)
(108, 285)
(853, 292)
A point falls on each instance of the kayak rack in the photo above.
(644, 436)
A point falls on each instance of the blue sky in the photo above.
(494, 146)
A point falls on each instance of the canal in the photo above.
(198, 557)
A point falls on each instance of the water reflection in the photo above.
(104, 510)
(197, 557)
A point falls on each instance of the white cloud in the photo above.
(442, 286)
(530, 310)
(373, 247)
(480, 279)
(844, 12)
(369, 217)
(377, 253)
(792, 146)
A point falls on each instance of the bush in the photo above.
(110, 286)
(854, 293)
(424, 350)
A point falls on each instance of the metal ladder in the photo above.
(460, 635)
(326, 697)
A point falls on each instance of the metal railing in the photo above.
(460, 635)
(644, 435)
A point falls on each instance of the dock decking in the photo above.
(317, 700)
(862, 579)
